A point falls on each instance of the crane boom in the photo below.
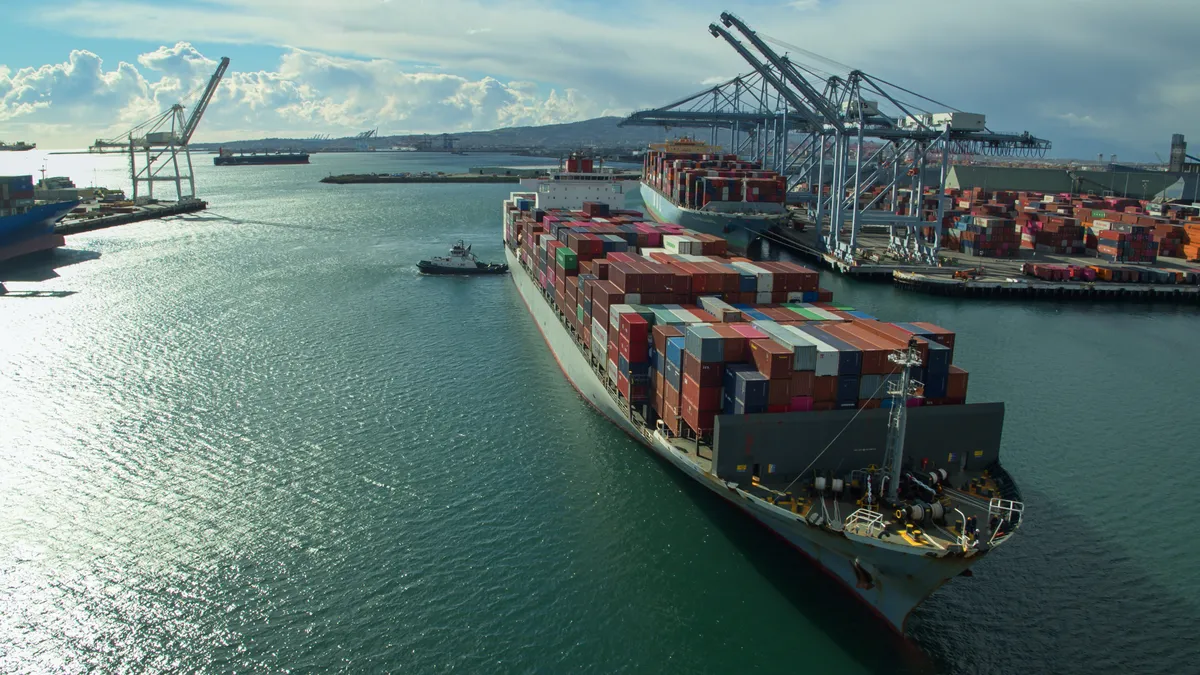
(797, 103)
(818, 102)
(202, 104)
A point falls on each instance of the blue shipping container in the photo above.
(847, 390)
(672, 375)
(849, 356)
(675, 348)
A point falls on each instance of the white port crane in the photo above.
(161, 140)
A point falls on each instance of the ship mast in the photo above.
(898, 419)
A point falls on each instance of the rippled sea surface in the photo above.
(255, 439)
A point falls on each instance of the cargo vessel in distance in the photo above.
(19, 146)
(228, 158)
(847, 436)
(689, 183)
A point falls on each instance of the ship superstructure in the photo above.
(849, 437)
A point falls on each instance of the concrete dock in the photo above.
(93, 220)
(995, 277)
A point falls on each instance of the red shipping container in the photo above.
(779, 392)
(956, 386)
(606, 294)
(705, 398)
(670, 417)
(700, 421)
(600, 269)
(707, 374)
(671, 395)
(635, 328)
(633, 351)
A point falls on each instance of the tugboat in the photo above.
(460, 261)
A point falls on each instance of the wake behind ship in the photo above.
(692, 184)
(848, 436)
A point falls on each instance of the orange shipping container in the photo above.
(771, 358)
(825, 388)
(802, 382)
(957, 385)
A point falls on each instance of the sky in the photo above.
(1093, 76)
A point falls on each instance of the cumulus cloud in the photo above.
(310, 92)
(1027, 64)
(70, 91)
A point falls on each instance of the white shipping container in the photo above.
(828, 356)
(764, 280)
(804, 352)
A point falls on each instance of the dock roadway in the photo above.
(997, 277)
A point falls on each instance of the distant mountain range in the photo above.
(601, 133)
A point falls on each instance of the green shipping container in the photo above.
(1098, 214)
(811, 316)
(567, 258)
(579, 313)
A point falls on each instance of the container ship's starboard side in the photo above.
(746, 377)
(692, 184)
(26, 226)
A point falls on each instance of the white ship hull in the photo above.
(898, 581)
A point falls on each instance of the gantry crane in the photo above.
(852, 133)
(161, 139)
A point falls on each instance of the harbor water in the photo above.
(255, 439)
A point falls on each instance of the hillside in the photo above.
(600, 133)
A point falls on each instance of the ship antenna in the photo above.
(898, 419)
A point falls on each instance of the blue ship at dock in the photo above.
(26, 226)
(37, 221)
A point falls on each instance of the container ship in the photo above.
(228, 158)
(27, 227)
(19, 146)
(689, 183)
(849, 437)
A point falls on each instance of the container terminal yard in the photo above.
(894, 178)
